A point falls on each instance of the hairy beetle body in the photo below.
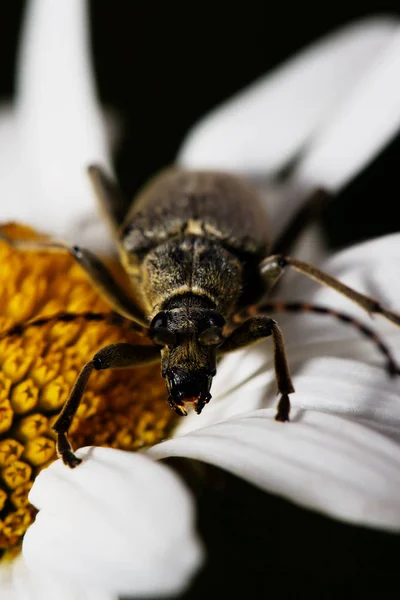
(196, 232)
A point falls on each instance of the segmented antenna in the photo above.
(112, 318)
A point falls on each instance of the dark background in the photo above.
(162, 65)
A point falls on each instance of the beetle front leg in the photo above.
(254, 330)
(114, 356)
(98, 274)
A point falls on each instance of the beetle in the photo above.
(196, 246)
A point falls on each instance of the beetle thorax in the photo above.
(192, 265)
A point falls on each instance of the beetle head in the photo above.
(189, 338)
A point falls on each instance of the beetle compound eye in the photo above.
(211, 320)
(162, 336)
(211, 337)
(159, 321)
(159, 332)
(216, 320)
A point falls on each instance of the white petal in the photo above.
(118, 521)
(347, 387)
(319, 461)
(17, 582)
(263, 127)
(334, 385)
(363, 125)
(57, 128)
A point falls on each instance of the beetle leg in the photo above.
(113, 204)
(114, 356)
(311, 210)
(254, 330)
(273, 267)
(96, 271)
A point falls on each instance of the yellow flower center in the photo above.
(123, 409)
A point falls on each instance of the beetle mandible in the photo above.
(195, 244)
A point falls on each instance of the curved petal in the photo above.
(118, 522)
(56, 129)
(266, 125)
(320, 461)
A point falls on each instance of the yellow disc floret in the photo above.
(123, 409)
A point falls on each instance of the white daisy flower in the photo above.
(123, 523)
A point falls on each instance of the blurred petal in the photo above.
(119, 522)
(319, 461)
(266, 125)
(362, 126)
(56, 129)
(17, 582)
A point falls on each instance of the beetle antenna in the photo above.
(111, 318)
(391, 366)
(298, 307)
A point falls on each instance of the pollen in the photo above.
(124, 409)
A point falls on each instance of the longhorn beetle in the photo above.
(195, 244)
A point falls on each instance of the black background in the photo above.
(162, 65)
